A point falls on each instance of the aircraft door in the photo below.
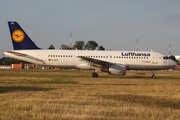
(154, 58)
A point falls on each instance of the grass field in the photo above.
(73, 94)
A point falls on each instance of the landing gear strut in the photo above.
(153, 76)
(94, 75)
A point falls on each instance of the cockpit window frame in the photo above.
(165, 57)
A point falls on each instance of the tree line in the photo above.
(80, 45)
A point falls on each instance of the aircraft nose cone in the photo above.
(173, 63)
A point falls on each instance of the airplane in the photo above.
(112, 62)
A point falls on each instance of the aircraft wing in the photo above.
(96, 62)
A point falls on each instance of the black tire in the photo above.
(94, 75)
(153, 76)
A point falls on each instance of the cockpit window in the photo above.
(165, 57)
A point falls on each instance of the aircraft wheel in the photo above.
(153, 76)
(94, 75)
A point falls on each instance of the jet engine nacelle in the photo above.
(117, 69)
(85, 66)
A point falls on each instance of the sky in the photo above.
(114, 24)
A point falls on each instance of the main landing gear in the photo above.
(94, 75)
(153, 76)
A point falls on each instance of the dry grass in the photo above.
(68, 94)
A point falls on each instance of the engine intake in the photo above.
(117, 69)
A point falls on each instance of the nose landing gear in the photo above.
(153, 76)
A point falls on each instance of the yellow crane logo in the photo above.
(18, 35)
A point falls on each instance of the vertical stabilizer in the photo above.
(20, 39)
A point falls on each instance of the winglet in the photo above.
(20, 39)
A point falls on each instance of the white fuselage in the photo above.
(133, 60)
